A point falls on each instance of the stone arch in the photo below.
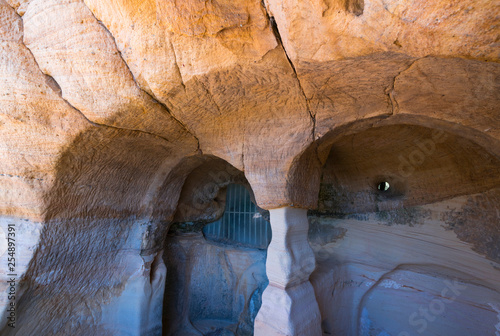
(100, 239)
(453, 185)
(211, 286)
(305, 173)
(456, 95)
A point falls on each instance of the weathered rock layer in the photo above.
(117, 116)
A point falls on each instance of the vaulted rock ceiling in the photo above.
(107, 107)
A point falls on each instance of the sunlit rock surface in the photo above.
(119, 118)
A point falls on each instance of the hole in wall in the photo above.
(383, 186)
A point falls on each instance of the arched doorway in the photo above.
(216, 261)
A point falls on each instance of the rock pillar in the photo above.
(289, 306)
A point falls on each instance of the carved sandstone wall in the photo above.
(109, 108)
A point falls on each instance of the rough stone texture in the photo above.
(25, 247)
(377, 277)
(35, 125)
(211, 288)
(203, 196)
(455, 303)
(336, 29)
(90, 71)
(475, 220)
(112, 111)
(207, 65)
(420, 165)
(156, 61)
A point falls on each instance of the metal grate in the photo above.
(241, 223)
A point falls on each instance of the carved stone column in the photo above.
(289, 306)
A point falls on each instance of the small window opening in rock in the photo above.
(383, 186)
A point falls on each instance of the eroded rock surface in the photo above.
(113, 114)
(405, 277)
(212, 288)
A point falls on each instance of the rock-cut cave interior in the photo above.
(249, 167)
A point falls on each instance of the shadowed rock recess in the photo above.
(248, 167)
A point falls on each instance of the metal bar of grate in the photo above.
(241, 222)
